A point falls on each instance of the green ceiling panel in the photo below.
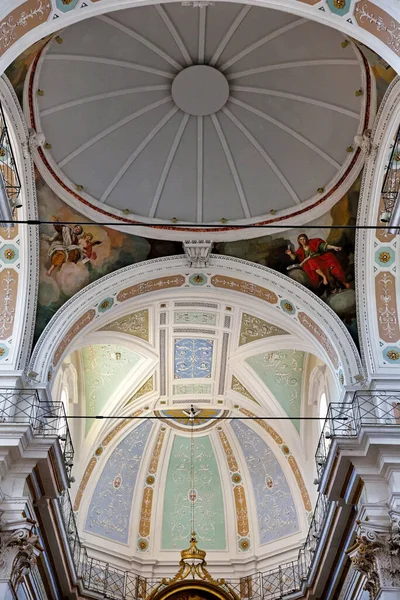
(206, 497)
(105, 366)
(282, 373)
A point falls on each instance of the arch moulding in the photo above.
(376, 24)
(377, 257)
(277, 297)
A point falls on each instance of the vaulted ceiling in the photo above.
(135, 486)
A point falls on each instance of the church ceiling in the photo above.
(137, 489)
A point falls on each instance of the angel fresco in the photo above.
(69, 244)
(318, 261)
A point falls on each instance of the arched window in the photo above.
(323, 409)
(64, 399)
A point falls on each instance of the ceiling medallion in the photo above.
(200, 90)
(179, 418)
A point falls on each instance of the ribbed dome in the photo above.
(226, 112)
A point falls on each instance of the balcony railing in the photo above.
(373, 408)
(47, 419)
(368, 409)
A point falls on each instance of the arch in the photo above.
(376, 273)
(19, 263)
(275, 293)
(23, 23)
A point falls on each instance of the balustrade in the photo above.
(368, 409)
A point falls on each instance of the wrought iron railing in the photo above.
(46, 418)
(343, 420)
(372, 408)
(8, 166)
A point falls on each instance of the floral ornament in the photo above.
(339, 7)
(105, 305)
(3, 351)
(66, 5)
(244, 544)
(9, 253)
(143, 545)
(198, 279)
(288, 307)
(385, 256)
(392, 354)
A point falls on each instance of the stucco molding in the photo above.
(289, 299)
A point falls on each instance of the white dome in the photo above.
(169, 112)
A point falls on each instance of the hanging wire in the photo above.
(192, 471)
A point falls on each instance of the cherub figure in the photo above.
(86, 245)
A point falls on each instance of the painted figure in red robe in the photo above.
(318, 261)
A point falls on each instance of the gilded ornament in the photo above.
(393, 355)
(143, 545)
(9, 254)
(2, 152)
(384, 257)
(150, 480)
(99, 451)
(358, 93)
(2, 351)
(340, 4)
(244, 544)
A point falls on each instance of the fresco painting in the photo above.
(73, 256)
(317, 256)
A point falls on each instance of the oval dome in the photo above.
(231, 112)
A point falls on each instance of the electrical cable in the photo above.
(199, 226)
(222, 418)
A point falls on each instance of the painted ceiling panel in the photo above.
(282, 373)
(207, 497)
(252, 329)
(104, 365)
(193, 358)
(110, 508)
(237, 386)
(276, 512)
(136, 324)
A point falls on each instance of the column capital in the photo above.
(19, 549)
(376, 554)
